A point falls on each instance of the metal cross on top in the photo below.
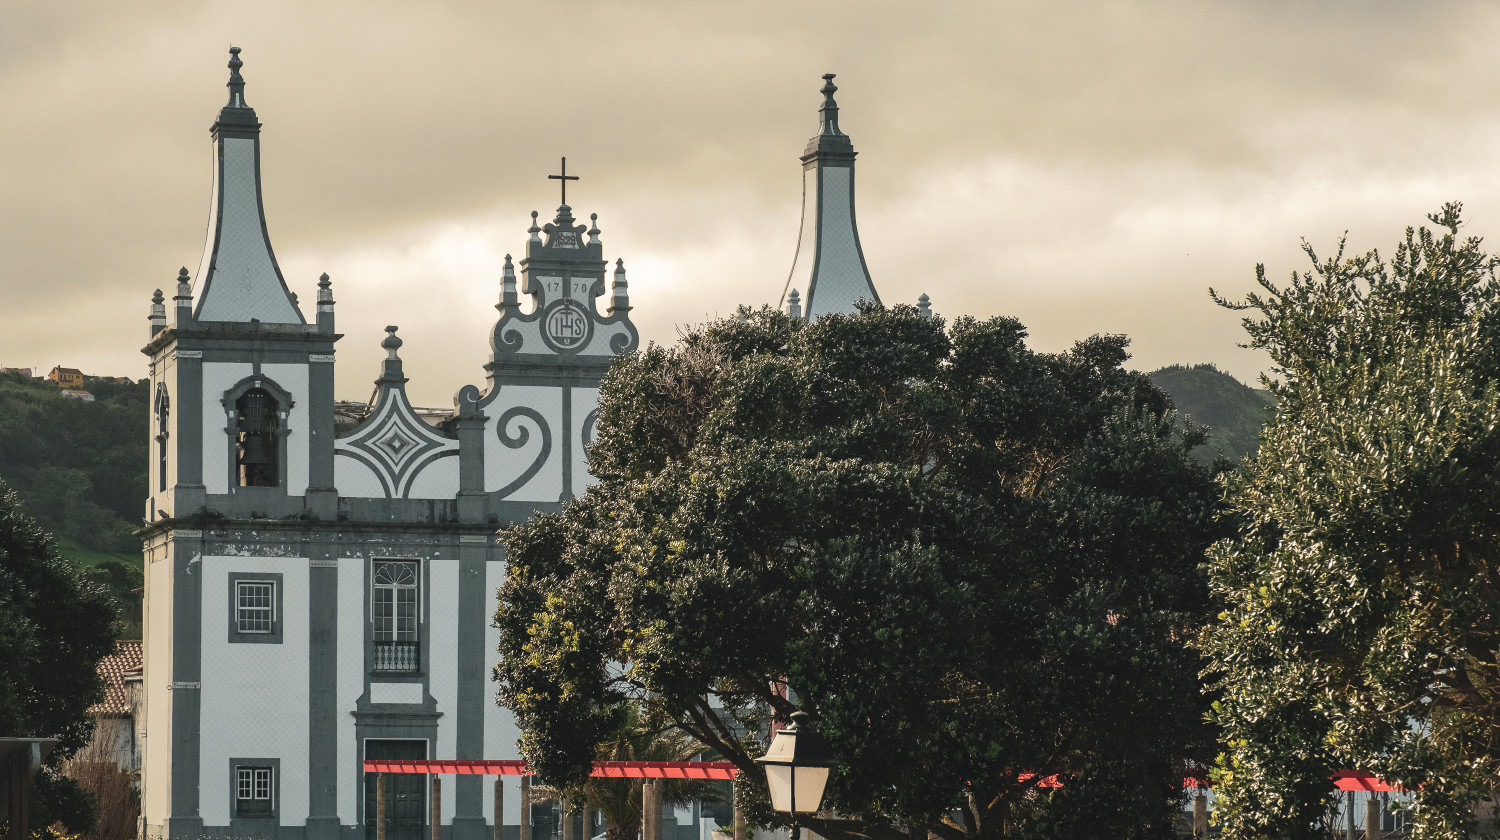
(565, 178)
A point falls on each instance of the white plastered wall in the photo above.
(156, 786)
(503, 464)
(355, 480)
(585, 400)
(437, 480)
(255, 696)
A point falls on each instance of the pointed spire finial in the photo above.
(391, 343)
(536, 232)
(924, 306)
(794, 304)
(236, 81)
(323, 281)
(508, 297)
(828, 114)
(620, 300)
(158, 316)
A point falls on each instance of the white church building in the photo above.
(318, 596)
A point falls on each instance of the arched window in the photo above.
(163, 427)
(257, 444)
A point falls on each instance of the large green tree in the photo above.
(55, 626)
(976, 565)
(1362, 595)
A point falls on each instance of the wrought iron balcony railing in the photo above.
(396, 657)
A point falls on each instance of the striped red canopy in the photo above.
(602, 769)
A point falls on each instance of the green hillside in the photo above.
(80, 469)
(1233, 411)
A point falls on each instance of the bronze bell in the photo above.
(254, 451)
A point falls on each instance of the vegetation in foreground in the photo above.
(1360, 596)
(966, 559)
(55, 626)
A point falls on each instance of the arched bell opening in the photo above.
(257, 410)
(257, 442)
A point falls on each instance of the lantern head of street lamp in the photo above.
(797, 765)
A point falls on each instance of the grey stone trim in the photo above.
(322, 691)
(187, 653)
(472, 684)
(278, 614)
(254, 825)
(188, 494)
(234, 335)
(322, 495)
(567, 445)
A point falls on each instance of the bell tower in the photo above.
(243, 383)
(241, 435)
(549, 358)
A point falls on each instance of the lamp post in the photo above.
(797, 764)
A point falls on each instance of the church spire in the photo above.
(238, 279)
(829, 265)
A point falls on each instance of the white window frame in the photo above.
(253, 613)
(255, 783)
(388, 628)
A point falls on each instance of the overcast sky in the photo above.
(1086, 167)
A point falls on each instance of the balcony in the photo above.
(396, 657)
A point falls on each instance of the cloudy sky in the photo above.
(1086, 167)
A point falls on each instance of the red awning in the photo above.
(1354, 780)
(607, 769)
(1342, 780)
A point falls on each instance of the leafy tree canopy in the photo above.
(55, 626)
(1360, 624)
(976, 565)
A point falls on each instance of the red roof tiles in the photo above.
(114, 669)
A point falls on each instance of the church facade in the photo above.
(315, 596)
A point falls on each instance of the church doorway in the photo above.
(405, 793)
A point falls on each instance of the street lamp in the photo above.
(797, 765)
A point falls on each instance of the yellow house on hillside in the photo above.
(66, 377)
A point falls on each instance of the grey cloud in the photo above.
(1121, 126)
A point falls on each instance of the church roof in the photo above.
(238, 278)
(829, 269)
(115, 669)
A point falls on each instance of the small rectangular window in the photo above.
(252, 791)
(255, 606)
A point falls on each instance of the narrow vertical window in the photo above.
(257, 445)
(393, 613)
(163, 424)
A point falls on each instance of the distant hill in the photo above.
(1233, 411)
(80, 469)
